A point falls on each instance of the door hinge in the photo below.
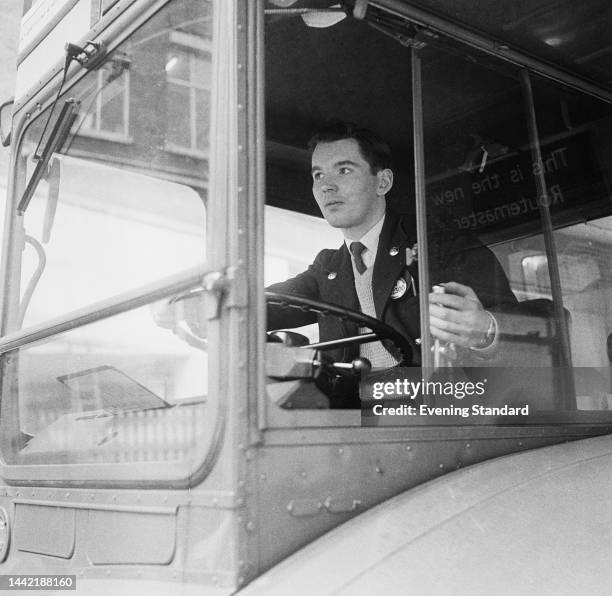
(229, 287)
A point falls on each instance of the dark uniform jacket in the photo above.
(330, 279)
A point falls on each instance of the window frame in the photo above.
(182, 474)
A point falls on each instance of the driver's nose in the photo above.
(329, 186)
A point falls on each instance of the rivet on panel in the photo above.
(262, 476)
(240, 106)
(468, 445)
(408, 448)
(239, 66)
(303, 474)
(240, 148)
(250, 526)
(341, 450)
(441, 466)
(520, 443)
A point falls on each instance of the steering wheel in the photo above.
(379, 329)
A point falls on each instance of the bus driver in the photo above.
(374, 271)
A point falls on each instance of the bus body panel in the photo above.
(529, 523)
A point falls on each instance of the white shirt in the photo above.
(370, 241)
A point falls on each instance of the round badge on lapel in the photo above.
(332, 275)
(399, 289)
(394, 251)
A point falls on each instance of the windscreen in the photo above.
(117, 213)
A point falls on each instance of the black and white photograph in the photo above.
(306, 297)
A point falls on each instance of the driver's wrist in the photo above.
(489, 336)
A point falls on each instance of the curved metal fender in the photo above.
(530, 523)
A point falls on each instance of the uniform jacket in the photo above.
(330, 279)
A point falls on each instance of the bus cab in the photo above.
(156, 438)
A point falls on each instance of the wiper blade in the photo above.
(55, 141)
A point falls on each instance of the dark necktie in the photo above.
(356, 249)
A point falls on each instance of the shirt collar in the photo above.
(370, 238)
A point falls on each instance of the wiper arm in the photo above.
(55, 141)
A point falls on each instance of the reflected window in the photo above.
(109, 114)
(188, 65)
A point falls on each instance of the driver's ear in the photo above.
(385, 182)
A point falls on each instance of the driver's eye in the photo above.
(345, 170)
(317, 176)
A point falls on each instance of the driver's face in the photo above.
(349, 195)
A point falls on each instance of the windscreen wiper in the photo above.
(55, 141)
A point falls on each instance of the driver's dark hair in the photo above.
(373, 148)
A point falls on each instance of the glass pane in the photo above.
(484, 185)
(108, 216)
(112, 214)
(129, 388)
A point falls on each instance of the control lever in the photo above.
(440, 351)
(360, 366)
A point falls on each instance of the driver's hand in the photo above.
(458, 316)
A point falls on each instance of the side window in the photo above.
(485, 183)
(525, 235)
